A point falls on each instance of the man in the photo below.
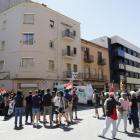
(68, 97)
(111, 115)
(47, 103)
(2, 104)
(28, 103)
(41, 103)
(96, 101)
(36, 107)
(75, 102)
(128, 95)
(19, 107)
(6, 105)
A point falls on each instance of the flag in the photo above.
(12, 91)
(121, 85)
(3, 90)
(69, 86)
(112, 89)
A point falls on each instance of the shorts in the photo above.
(61, 110)
(41, 108)
(96, 105)
(74, 107)
(56, 112)
(48, 109)
(35, 110)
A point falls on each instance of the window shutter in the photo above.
(27, 62)
(94, 71)
(29, 19)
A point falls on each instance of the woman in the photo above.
(53, 109)
(119, 96)
(103, 98)
(139, 103)
(125, 102)
(6, 105)
(61, 108)
(134, 103)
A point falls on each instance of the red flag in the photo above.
(69, 86)
(4, 90)
(112, 89)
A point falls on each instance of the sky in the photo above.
(102, 17)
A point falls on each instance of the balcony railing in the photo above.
(68, 53)
(89, 58)
(101, 61)
(90, 76)
(68, 35)
(119, 65)
(68, 74)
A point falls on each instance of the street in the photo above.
(85, 128)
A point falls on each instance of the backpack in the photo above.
(66, 103)
(75, 99)
(97, 98)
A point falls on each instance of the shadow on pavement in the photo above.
(37, 126)
(18, 128)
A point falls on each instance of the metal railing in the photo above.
(89, 58)
(67, 34)
(68, 74)
(102, 61)
(65, 52)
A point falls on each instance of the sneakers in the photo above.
(44, 123)
(68, 123)
(134, 129)
(51, 123)
(125, 131)
(37, 123)
(138, 129)
(56, 126)
(114, 138)
(33, 123)
(101, 136)
(21, 125)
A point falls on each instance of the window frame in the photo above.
(74, 33)
(77, 67)
(49, 65)
(95, 71)
(2, 45)
(51, 42)
(75, 50)
(3, 65)
(28, 38)
(28, 14)
(51, 26)
(4, 23)
(27, 58)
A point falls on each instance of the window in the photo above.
(3, 45)
(75, 51)
(28, 39)
(137, 76)
(131, 52)
(132, 63)
(27, 62)
(2, 66)
(4, 24)
(127, 74)
(135, 54)
(75, 68)
(133, 75)
(126, 62)
(51, 24)
(136, 64)
(94, 71)
(74, 33)
(138, 55)
(51, 44)
(28, 18)
(51, 65)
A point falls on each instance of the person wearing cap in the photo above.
(111, 115)
(75, 102)
(28, 103)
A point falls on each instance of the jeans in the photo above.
(28, 110)
(18, 111)
(139, 109)
(135, 117)
(6, 111)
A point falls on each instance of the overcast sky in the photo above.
(102, 17)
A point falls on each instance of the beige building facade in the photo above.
(95, 65)
(39, 48)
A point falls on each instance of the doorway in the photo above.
(86, 72)
(100, 73)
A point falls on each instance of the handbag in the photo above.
(120, 110)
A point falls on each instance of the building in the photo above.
(39, 48)
(124, 62)
(95, 65)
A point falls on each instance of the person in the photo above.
(119, 95)
(61, 109)
(2, 103)
(6, 105)
(28, 108)
(18, 108)
(68, 98)
(125, 102)
(41, 103)
(96, 100)
(127, 94)
(103, 98)
(139, 103)
(75, 102)
(53, 108)
(134, 103)
(36, 107)
(111, 115)
(47, 103)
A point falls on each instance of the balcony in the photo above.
(68, 54)
(97, 77)
(118, 52)
(68, 35)
(101, 61)
(68, 74)
(119, 65)
(89, 59)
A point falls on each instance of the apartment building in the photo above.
(124, 62)
(95, 65)
(39, 48)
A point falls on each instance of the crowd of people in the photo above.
(43, 102)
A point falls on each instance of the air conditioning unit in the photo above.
(83, 48)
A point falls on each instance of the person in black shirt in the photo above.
(127, 95)
(18, 108)
(47, 103)
(29, 103)
(134, 111)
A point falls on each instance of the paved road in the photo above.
(86, 128)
